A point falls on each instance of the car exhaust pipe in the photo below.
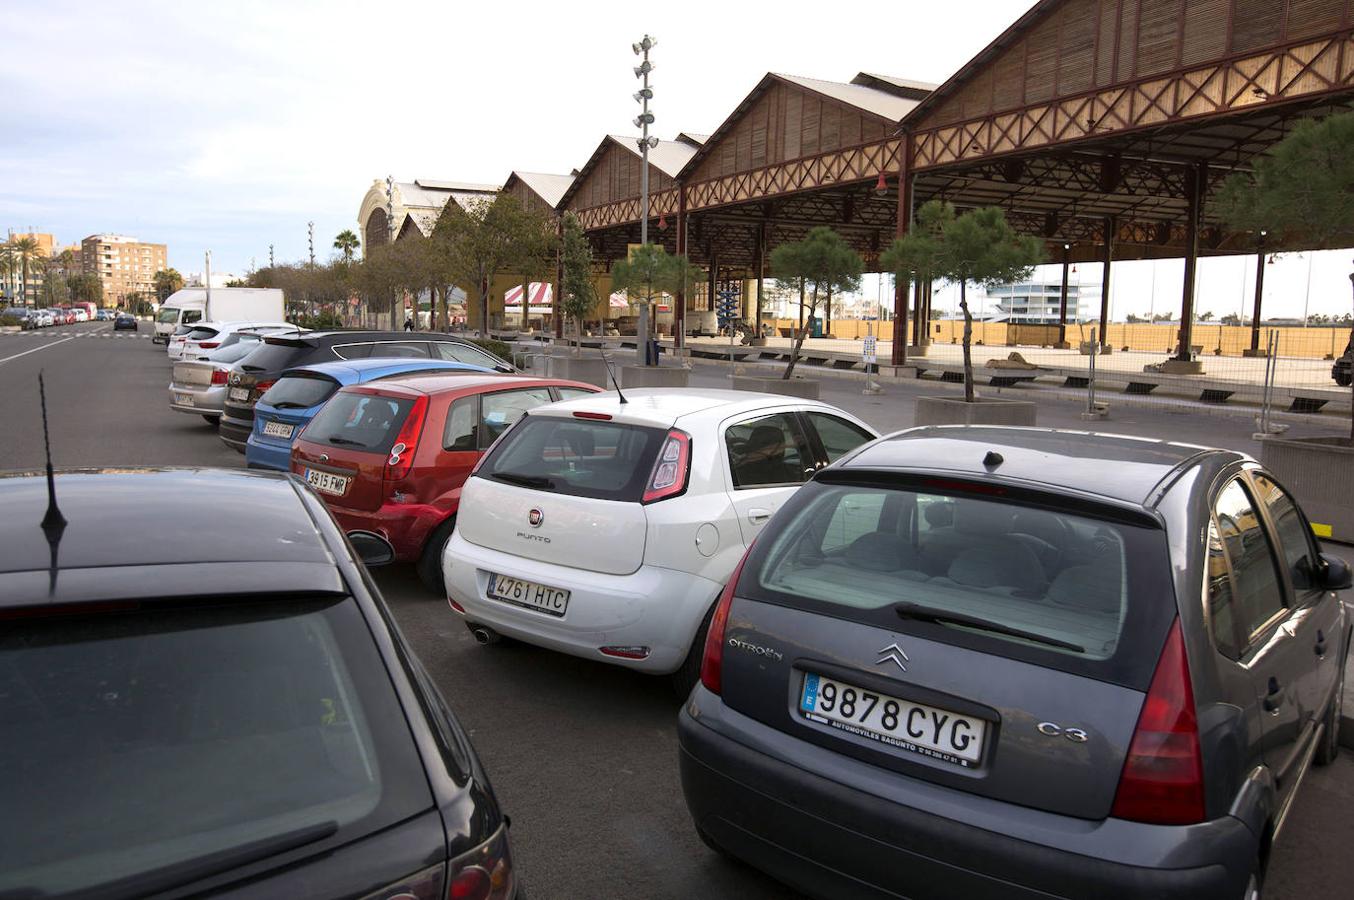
(485, 635)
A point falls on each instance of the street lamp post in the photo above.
(643, 121)
(645, 118)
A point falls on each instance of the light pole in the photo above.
(271, 264)
(643, 121)
(310, 236)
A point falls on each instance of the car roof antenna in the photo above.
(53, 522)
(611, 370)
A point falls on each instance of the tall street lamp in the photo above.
(643, 121)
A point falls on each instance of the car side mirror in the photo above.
(372, 549)
(504, 368)
(1335, 574)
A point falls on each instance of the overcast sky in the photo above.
(230, 125)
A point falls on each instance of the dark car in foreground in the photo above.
(224, 708)
(987, 662)
(255, 374)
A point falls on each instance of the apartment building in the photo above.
(125, 265)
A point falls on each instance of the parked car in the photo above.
(20, 316)
(198, 387)
(1019, 662)
(294, 399)
(390, 458)
(607, 529)
(205, 337)
(281, 352)
(124, 322)
(228, 708)
(80, 314)
(1343, 369)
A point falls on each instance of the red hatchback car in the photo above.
(390, 458)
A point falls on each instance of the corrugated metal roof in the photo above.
(881, 103)
(668, 157)
(693, 138)
(458, 186)
(904, 87)
(550, 188)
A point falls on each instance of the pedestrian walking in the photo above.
(408, 323)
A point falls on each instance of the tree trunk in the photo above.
(801, 304)
(799, 335)
(483, 302)
(968, 342)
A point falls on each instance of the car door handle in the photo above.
(1273, 698)
(758, 516)
(1320, 647)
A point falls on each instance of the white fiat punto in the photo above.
(606, 529)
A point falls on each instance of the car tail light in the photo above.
(209, 345)
(625, 651)
(672, 470)
(1162, 782)
(425, 885)
(484, 873)
(261, 388)
(218, 376)
(402, 451)
(712, 663)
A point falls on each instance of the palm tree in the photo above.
(9, 266)
(346, 242)
(28, 251)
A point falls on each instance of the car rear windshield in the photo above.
(578, 457)
(365, 422)
(300, 391)
(274, 357)
(1058, 587)
(234, 352)
(201, 334)
(143, 747)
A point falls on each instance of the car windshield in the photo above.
(201, 334)
(155, 740)
(579, 457)
(168, 315)
(234, 352)
(365, 422)
(299, 391)
(1085, 589)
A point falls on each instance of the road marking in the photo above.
(35, 349)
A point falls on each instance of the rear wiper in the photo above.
(347, 442)
(531, 481)
(191, 870)
(945, 616)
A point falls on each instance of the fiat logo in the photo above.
(535, 517)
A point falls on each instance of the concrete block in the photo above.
(805, 388)
(654, 376)
(955, 411)
(1182, 367)
(588, 369)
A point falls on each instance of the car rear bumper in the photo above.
(266, 454)
(202, 401)
(652, 607)
(831, 839)
(405, 526)
(235, 432)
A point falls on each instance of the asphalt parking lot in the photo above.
(582, 755)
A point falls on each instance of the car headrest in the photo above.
(764, 437)
(880, 551)
(1010, 566)
(980, 518)
(1085, 587)
(939, 515)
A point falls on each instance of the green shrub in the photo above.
(497, 348)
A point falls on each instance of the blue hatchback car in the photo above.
(295, 398)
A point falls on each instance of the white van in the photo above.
(189, 306)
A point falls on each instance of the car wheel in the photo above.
(1330, 740)
(714, 844)
(212, 421)
(429, 564)
(1344, 380)
(686, 676)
